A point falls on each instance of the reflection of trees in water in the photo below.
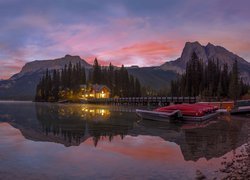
(73, 124)
(77, 123)
(214, 140)
(208, 140)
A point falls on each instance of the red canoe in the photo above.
(183, 112)
(196, 110)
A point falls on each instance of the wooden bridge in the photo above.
(144, 100)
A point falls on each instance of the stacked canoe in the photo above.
(183, 112)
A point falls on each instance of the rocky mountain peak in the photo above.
(206, 53)
(42, 65)
(67, 56)
(191, 47)
(209, 45)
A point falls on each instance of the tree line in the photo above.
(58, 84)
(209, 80)
(117, 79)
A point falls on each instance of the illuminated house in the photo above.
(95, 91)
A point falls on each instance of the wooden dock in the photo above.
(144, 100)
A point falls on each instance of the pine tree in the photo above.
(209, 80)
(131, 86)
(83, 76)
(96, 72)
(38, 96)
(64, 77)
(234, 82)
(137, 88)
(225, 80)
(56, 85)
(69, 76)
(110, 83)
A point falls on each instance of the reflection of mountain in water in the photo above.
(73, 124)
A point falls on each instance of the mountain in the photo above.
(42, 65)
(22, 85)
(153, 77)
(206, 53)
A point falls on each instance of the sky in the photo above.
(129, 32)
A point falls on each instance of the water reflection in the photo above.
(77, 123)
(72, 125)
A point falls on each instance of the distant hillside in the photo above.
(206, 53)
(153, 76)
(21, 88)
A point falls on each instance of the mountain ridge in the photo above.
(42, 65)
(23, 84)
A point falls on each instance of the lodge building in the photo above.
(94, 91)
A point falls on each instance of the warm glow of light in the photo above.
(102, 111)
(97, 114)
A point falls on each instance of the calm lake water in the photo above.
(48, 141)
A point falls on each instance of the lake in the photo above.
(65, 141)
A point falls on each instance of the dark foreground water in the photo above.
(50, 141)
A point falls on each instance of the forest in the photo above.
(54, 84)
(209, 80)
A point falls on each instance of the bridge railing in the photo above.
(144, 100)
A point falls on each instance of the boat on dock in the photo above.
(159, 116)
(63, 101)
(181, 112)
(241, 107)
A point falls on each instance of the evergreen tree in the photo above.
(69, 76)
(64, 76)
(209, 80)
(225, 80)
(96, 77)
(137, 88)
(234, 82)
(56, 85)
(82, 76)
(111, 79)
(131, 86)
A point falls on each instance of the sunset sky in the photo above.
(142, 32)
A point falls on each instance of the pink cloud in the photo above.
(128, 41)
(9, 68)
(140, 147)
(143, 54)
